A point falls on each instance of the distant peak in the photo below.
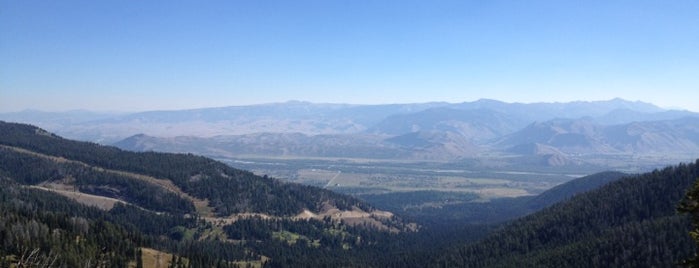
(617, 99)
(488, 101)
(138, 136)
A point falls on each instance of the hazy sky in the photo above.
(146, 55)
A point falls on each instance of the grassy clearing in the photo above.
(153, 258)
(292, 238)
(101, 202)
(251, 264)
(202, 207)
(215, 232)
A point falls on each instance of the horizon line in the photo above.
(293, 101)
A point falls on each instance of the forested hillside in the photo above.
(77, 204)
(632, 222)
(227, 190)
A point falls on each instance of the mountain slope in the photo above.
(270, 144)
(486, 119)
(476, 125)
(625, 116)
(417, 145)
(669, 136)
(227, 190)
(572, 188)
(191, 206)
(543, 111)
(630, 222)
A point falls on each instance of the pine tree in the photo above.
(139, 258)
(690, 205)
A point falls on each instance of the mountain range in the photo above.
(557, 133)
(584, 136)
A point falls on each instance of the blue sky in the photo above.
(151, 55)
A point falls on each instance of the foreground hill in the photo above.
(631, 222)
(179, 203)
(227, 190)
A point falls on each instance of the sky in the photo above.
(132, 55)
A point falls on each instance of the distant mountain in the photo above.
(561, 135)
(558, 142)
(486, 119)
(434, 146)
(624, 116)
(477, 125)
(289, 117)
(479, 121)
(269, 144)
(541, 134)
(547, 111)
(670, 136)
(584, 136)
(630, 222)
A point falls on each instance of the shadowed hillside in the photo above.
(631, 222)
